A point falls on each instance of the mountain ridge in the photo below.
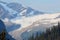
(15, 11)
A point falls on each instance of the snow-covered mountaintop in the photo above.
(13, 10)
(21, 19)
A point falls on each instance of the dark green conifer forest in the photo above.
(50, 34)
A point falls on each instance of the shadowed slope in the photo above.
(3, 33)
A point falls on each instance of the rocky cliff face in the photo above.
(3, 33)
(2, 26)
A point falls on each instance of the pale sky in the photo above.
(41, 5)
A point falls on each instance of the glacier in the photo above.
(25, 20)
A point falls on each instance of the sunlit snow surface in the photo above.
(19, 19)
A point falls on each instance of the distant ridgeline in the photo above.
(3, 33)
(50, 34)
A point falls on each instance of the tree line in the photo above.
(50, 34)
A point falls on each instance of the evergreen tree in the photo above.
(50, 34)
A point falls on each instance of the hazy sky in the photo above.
(41, 5)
